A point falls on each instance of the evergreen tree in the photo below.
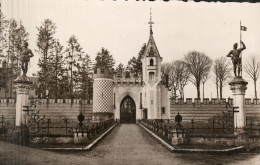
(57, 67)
(120, 69)
(85, 75)
(135, 64)
(73, 60)
(3, 37)
(16, 36)
(45, 43)
(104, 59)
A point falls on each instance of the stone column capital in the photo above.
(238, 86)
(22, 85)
(22, 89)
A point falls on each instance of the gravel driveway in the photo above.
(125, 144)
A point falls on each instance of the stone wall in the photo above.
(54, 111)
(189, 109)
(207, 109)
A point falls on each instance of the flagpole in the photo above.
(240, 47)
(240, 34)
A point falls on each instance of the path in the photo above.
(126, 144)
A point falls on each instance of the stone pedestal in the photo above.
(80, 137)
(178, 139)
(238, 88)
(22, 86)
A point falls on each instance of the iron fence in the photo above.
(4, 125)
(253, 127)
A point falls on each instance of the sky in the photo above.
(122, 28)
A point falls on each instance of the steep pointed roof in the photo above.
(151, 48)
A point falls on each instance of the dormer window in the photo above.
(151, 62)
(151, 52)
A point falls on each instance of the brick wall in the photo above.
(207, 109)
(7, 108)
(55, 111)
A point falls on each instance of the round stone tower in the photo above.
(103, 93)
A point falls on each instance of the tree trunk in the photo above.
(217, 92)
(217, 86)
(56, 77)
(203, 90)
(198, 91)
(220, 90)
(181, 92)
(175, 94)
(255, 89)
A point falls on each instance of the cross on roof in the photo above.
(151, 22)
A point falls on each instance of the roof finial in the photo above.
(151, 22)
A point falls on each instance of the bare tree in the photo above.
(252, 68)
(204, 80)
(183, 75)
(216, 79)
(178, 75)
(222, 70)
(198, 65)
(169, 70)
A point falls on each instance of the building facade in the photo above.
(128, 97)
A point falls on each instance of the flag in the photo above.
(243, 28)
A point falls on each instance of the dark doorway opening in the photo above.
(145, 113)
(127, 110)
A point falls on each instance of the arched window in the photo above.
(151, 75)
(151, 62)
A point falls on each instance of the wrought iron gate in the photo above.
(127, 110)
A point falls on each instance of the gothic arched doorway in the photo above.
(127, 110)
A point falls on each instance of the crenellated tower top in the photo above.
(103, 72)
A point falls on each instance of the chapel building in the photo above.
(128, 97)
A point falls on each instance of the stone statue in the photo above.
(235, 57)
(25, 58)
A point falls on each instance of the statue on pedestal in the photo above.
(25, 58)
(236, 59)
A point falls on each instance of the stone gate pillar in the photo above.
(22, 86)
(238, 88)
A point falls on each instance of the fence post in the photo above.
(13, 123)
(192, 125)
(213, 124)
(3, 124)
(48, 122)
(258, 128)
(251, 127)
(66, 122)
